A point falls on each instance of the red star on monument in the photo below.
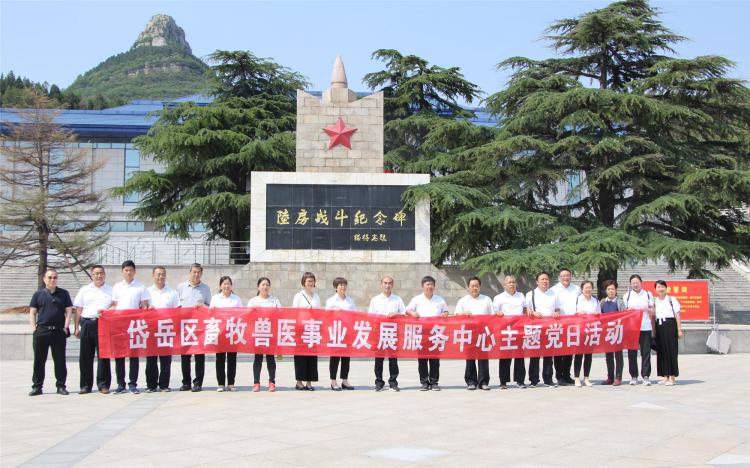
(340, 134)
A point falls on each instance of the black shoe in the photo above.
(35, 392)
(84, 391)
(300, 387)
(424, 388)
(503, 387)
(379, 388)
(134, 390)
(309, 388)
(347, 387)
(533, 384)
(165, 390)
(563, 383)
(104, 390)
(185, 388)
(435, 387)
(62, 391)
(151, 390)
(394, 388)
(119, 390)
(336, 388)
(196, 388)
(570, 380)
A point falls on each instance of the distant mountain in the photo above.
(159, 65)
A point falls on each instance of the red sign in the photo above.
(692, 295)
(288, 331)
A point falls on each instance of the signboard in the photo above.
(338, 217)
(692, 295)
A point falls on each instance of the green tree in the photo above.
(209, 152)
(605, 156)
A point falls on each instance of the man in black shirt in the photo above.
(50, 312)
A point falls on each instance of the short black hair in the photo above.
(635, 276)
(339, 280)
(543, 273)
(565, 269)
(127, 263)
(224, 278)
(427, 279)
(197, 266)
(608, 283)
(474, 278)
(97, 267)
(661, 282)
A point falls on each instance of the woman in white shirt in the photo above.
(226, 298)
(264, 299)
(306, 367)
(668, 332)
(586, 304)
(340, 301)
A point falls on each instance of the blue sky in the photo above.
(56, 41)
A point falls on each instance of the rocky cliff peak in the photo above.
(160, 31)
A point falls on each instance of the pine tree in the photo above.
(653, 151)
(58, 219)
(209, 152)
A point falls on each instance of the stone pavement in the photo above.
(704, 420)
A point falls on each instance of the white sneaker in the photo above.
(220, 389)
(640, 380)
(587, 382)
(577, 382)
(647, 382)
(633, 382)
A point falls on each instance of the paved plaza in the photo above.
(704, 420)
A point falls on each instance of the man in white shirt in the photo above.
(128, 294)
(510, 303)
(567, 294)
(91, 299)
(640, 299)
(428, 304)
(389, 305)
(542, 302)
(193, 293)
(475, 303)
(161, 297)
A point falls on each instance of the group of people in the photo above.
(52, 311)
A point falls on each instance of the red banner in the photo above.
(692, 294)
(337, 333)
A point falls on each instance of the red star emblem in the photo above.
(340, 134)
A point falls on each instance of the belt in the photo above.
(50, 327)
(86, 319)
(661, 320)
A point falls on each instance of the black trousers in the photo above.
(333, 367)
(547, 366)
(158, 374)
(89, 350)
(644, 343)
(230, 359)
(44, 339)
(258, 365)
(132, 374)
(519, 371)
(306, 368)
(200, 369)
(562, 367)
(472, 377)
(584, 359)
(392, 371)
(614, 365)
(429, 371)
(667, 350)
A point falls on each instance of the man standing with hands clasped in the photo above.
(193, 293)
(542, 302)
(162, 297)
(388, 305)
(475, 303)
(50, 311)
(92, 298)
(428, 304)
(567, 294)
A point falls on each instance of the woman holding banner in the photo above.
(340, 301)
(586, 304)
(264, 299)
(614, 359)
(306, 367)
(668, 331)
(226, 298)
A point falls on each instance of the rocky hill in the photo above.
(159, 65)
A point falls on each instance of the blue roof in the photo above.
(130, 120)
